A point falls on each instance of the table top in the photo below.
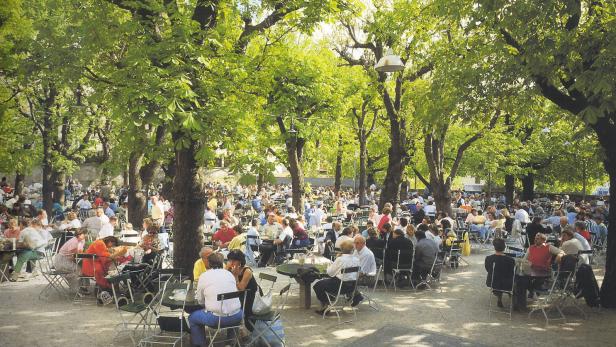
(291, 269)
(191, 302)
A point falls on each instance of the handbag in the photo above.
(262, 303)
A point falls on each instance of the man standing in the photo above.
(158, 212)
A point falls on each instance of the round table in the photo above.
(290, 270)
(191, 304)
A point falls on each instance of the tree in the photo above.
(403, 27)
(564, 49)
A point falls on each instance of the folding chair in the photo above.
(252, 250)
(269, 320)
(508, 291)
(554, 298)
(434, 276)
(137, 312)
(455, 254)
(404, 267)
(56, 280)
(90, 281)
(172, 328)
(5, 261)
(167, 275)
(338, 301)
(380, 274)
(233, 327)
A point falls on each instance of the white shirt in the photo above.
(342, 262)
(84, 204)
(214, 282)
(287, 231)
(522, 216)
(104, 219)
(33, 239)
(430, 210)
(105, 230)
(366, 261)
(74, 224)
(317, 217)
(209, 218)
(93, 223)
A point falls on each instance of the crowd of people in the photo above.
(246, 228)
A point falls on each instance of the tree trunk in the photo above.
(391, 185)
(294, 154)
(59, 179)
(363, 154)
(442, 196)
(338, 176)
(260, 180)
(19, 182)
(125, 178)
(509, 189)
(167, 189)
(404, 190)
(137, 198)
(189, 202)
(47, 189)
(528, 187)
(605, 130)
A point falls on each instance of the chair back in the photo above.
(405, 259)
(508, 290)
(118, 299)
(263, 277)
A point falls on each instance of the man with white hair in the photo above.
(201, 264)
(522, 215)
(367, 262)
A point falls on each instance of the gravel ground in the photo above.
(457, 316)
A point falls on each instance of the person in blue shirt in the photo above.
(113, 205)
(256, 204)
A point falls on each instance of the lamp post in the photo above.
(389, 63)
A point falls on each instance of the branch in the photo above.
(468, 142)
(278, 157)
(422, 71)
(421, 178)
(277, 15)
(356, 42)
(11, 97)
(281, 126)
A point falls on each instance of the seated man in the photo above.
(201, 263)
(540, 257)
(500, 270)
(478, 225)
(224, 235)
(269, 232)
(426, 251)
(367, 270)
(33, 242)
(331, 284)
(283, 241)
(397, 242)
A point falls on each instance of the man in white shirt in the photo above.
(100, 213)
(367, 262)
(334, 270)
(572, 245)
(107, 228)
(158, 210)
(34, 243)
(346, 235)
(430, 209)
(522, 215)
(213, 282)
(84, 203)
(317, 216)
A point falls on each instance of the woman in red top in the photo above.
(385, 218)
(580, 228)
(100, 266)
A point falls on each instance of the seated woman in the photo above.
(213, 282)
(300, 236)
(104, 259)
(12, 231)
(331, 284)
(236, 264)
(150, 243)
(64, 260)
(540, 257)
(500, 270)
(71, 223)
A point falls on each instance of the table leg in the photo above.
(305, 296)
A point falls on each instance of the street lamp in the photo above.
(389, 63)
